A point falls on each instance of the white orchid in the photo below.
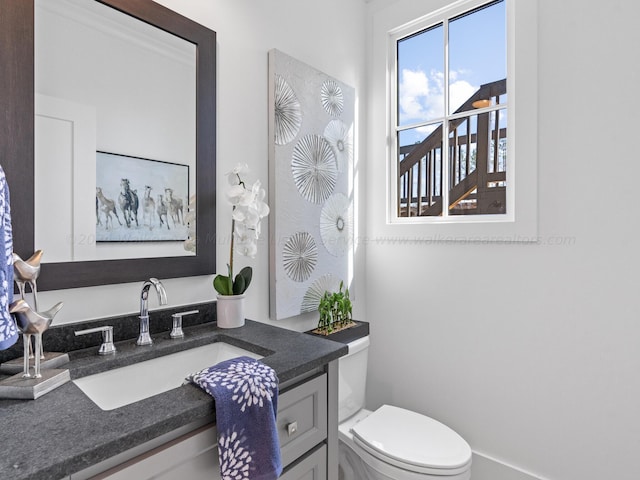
(234, 175)
(235, 194)
(249, 209)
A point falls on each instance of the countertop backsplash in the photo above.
(62, 338)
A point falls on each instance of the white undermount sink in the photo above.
(122, 386)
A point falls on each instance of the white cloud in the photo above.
(459, 92)
(414, 91)
(421, 96)
(427, 130)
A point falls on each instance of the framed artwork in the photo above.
(311, 124)
(140, 200)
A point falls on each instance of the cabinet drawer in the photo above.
(193, 456)
(302, 418)
(312, 467)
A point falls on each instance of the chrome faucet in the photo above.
(144, 338)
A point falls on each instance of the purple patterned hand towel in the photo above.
(8, 328)
(246, 395)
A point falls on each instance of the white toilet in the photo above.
(391, 443)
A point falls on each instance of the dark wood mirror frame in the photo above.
(17, 147)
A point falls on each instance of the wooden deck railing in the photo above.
(479, 182)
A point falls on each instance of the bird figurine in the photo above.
(34, 323)
(27, 271)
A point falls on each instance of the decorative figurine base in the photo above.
(20, 388)
(51, 360)
(348, 335)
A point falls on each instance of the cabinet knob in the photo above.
(292, 428)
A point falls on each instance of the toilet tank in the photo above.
(352, 378)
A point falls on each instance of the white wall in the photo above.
(531, 351)
(327, 35)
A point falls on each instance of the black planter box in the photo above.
(348, 335)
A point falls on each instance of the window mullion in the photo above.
(444, 193)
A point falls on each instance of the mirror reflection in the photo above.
(107, 82)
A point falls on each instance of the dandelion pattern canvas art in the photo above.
(312, 118)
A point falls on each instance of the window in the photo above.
(403, 19)
(450, 113)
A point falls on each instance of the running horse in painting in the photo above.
(175, 207)
(128, 202)
(108, 207)
(148, 208)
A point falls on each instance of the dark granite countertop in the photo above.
(63, 431)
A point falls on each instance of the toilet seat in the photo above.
(412, 441)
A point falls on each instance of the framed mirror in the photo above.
(17, 149)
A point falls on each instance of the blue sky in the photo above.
(477, 55)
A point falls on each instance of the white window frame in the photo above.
(519, 223)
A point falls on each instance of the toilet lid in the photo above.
(408, 439)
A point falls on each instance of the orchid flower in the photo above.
(248, 209)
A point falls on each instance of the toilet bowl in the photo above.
(391, 443)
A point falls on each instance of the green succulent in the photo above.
(335, 310)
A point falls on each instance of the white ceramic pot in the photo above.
(230, 311)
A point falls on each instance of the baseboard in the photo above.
(485, 467)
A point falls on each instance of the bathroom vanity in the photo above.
(65, 435)
(302, 428)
